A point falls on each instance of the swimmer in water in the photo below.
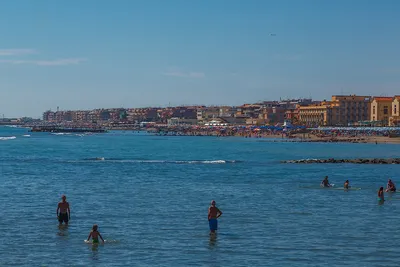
(391, 187)
(346, 184)
(381, 196)
(94, 234)
(63, 211)
(213, 214)
(325, 182)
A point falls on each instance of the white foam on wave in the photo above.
(60, 133)
(101, 159)
(26, 135)
(7, 138)
(208, 162)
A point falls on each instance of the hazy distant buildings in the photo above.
(341, 110)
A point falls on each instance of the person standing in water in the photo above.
(94, 234)
(346, 184)
(381, 196)
(391, 187)
(213, 214)
(325, 182)
(63, 211)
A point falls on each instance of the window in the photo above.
(395, 109)
(373, 110)
(385, 110)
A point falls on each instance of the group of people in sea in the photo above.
(390, 187)
(64, 216)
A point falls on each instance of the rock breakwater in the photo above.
(352, 161)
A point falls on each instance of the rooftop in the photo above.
(383, 98)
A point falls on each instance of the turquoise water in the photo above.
(150, 196)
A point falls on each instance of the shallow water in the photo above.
(150, 194)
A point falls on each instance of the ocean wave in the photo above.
(61, 133)
(26, 135)
(7, 138)
(102, 159)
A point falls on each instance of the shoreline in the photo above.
(356, 139)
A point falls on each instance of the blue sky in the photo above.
(126, 53)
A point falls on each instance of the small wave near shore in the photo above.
(4, 138)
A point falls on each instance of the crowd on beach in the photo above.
(355, 132)
(220, 131)
(64, 216)
(295, 133)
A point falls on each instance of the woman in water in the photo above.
(95, 235)
(381, 196)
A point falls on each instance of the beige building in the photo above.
(381, 109)
(323, 114)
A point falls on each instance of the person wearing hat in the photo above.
(63, 211)
(213, 214)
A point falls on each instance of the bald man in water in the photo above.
(63, 211)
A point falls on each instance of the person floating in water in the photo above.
(63, 211)
(381, 196)
(391, 187)
(346, 184)
(94, 234)
(325, 182)
(213, 214)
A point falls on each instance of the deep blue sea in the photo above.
(150, 197)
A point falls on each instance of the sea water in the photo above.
(150, 195)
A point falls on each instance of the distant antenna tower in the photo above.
(58, 108)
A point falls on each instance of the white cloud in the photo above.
(16, 52)
(57, 62)
(184, 74)
(196, 75)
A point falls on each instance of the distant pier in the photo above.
(57, 129)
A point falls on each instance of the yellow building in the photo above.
(381, 109)
(323, 114)
(394, 120)
(342, 110)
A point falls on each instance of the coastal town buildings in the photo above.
(340, 110)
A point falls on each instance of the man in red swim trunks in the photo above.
(63, 211)
(213, 214)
